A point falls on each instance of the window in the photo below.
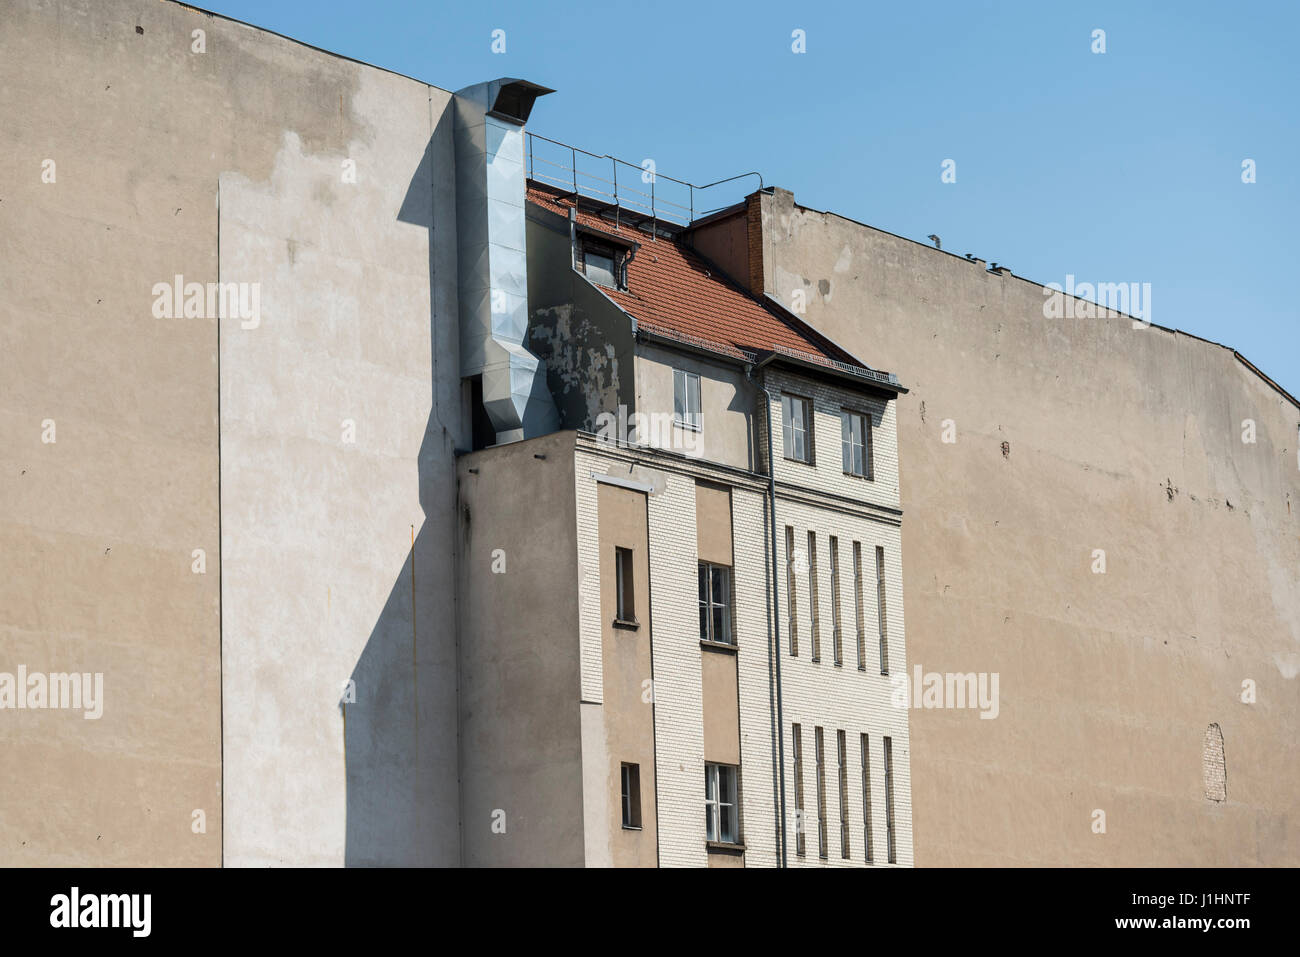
(821, 793)
(796, 739)
(855, 443)
(792, 620)
(813, 604)
(715, 603)
(720, 819)
(794, 425)
(600, 264)
(880, 610)
(686, 400)
(632, 795)
(857, 605)
(841, 747)
(865, 746)
(625, 610)
(891, 852)
(835, 601)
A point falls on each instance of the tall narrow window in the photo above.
(686, 400)
(813, 604)
(880, 610)
(865, 747)
(889, 802)
(855, 443)
(857, 606)
(715, 603)
(632, 795)
(625, 610)
(841, 747)
(795, 428)
(821, 792)
(720, 818)
(796, 740)
(836, 636)
(792, 617)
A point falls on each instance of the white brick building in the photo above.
(690, 696)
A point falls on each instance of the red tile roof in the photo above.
(674, 292)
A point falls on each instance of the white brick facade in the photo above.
(820, 498)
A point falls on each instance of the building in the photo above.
(645, 721)
(265, 309)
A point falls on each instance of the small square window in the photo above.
(686, 400)
(600, 264)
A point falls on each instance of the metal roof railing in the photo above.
(546, 165)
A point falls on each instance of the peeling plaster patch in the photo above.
(824, 287)
(574, 363)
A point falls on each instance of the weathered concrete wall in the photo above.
(97, 528)
(303, 448)
(521, 734)
(585, 340)
(337, 472)
(1073, 435)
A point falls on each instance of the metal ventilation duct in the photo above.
(493, 270)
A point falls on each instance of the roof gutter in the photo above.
(889, 389)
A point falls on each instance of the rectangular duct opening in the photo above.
(484, 433)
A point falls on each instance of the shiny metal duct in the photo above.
(492, 252)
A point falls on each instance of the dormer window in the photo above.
(600, 263)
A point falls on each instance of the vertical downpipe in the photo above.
(776, 615)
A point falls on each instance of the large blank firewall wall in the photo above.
(493, 270)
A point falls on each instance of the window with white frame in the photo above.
(855, 443)
(720, 805)
(715, 603)
(686, 400)
(631, 795)
(796, 428)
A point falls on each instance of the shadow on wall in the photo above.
(400, 751)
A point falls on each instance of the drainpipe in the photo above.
(776, 614)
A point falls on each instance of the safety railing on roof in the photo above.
(596, 176)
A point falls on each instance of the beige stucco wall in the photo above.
(726, 402)
(1122, 439)
(97, 529)
(627, 706)
(327, 560)
(522, 732)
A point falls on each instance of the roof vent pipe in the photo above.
(492, 256)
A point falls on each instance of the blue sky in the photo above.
(1117, 167)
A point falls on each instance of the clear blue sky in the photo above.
(1116, 167)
